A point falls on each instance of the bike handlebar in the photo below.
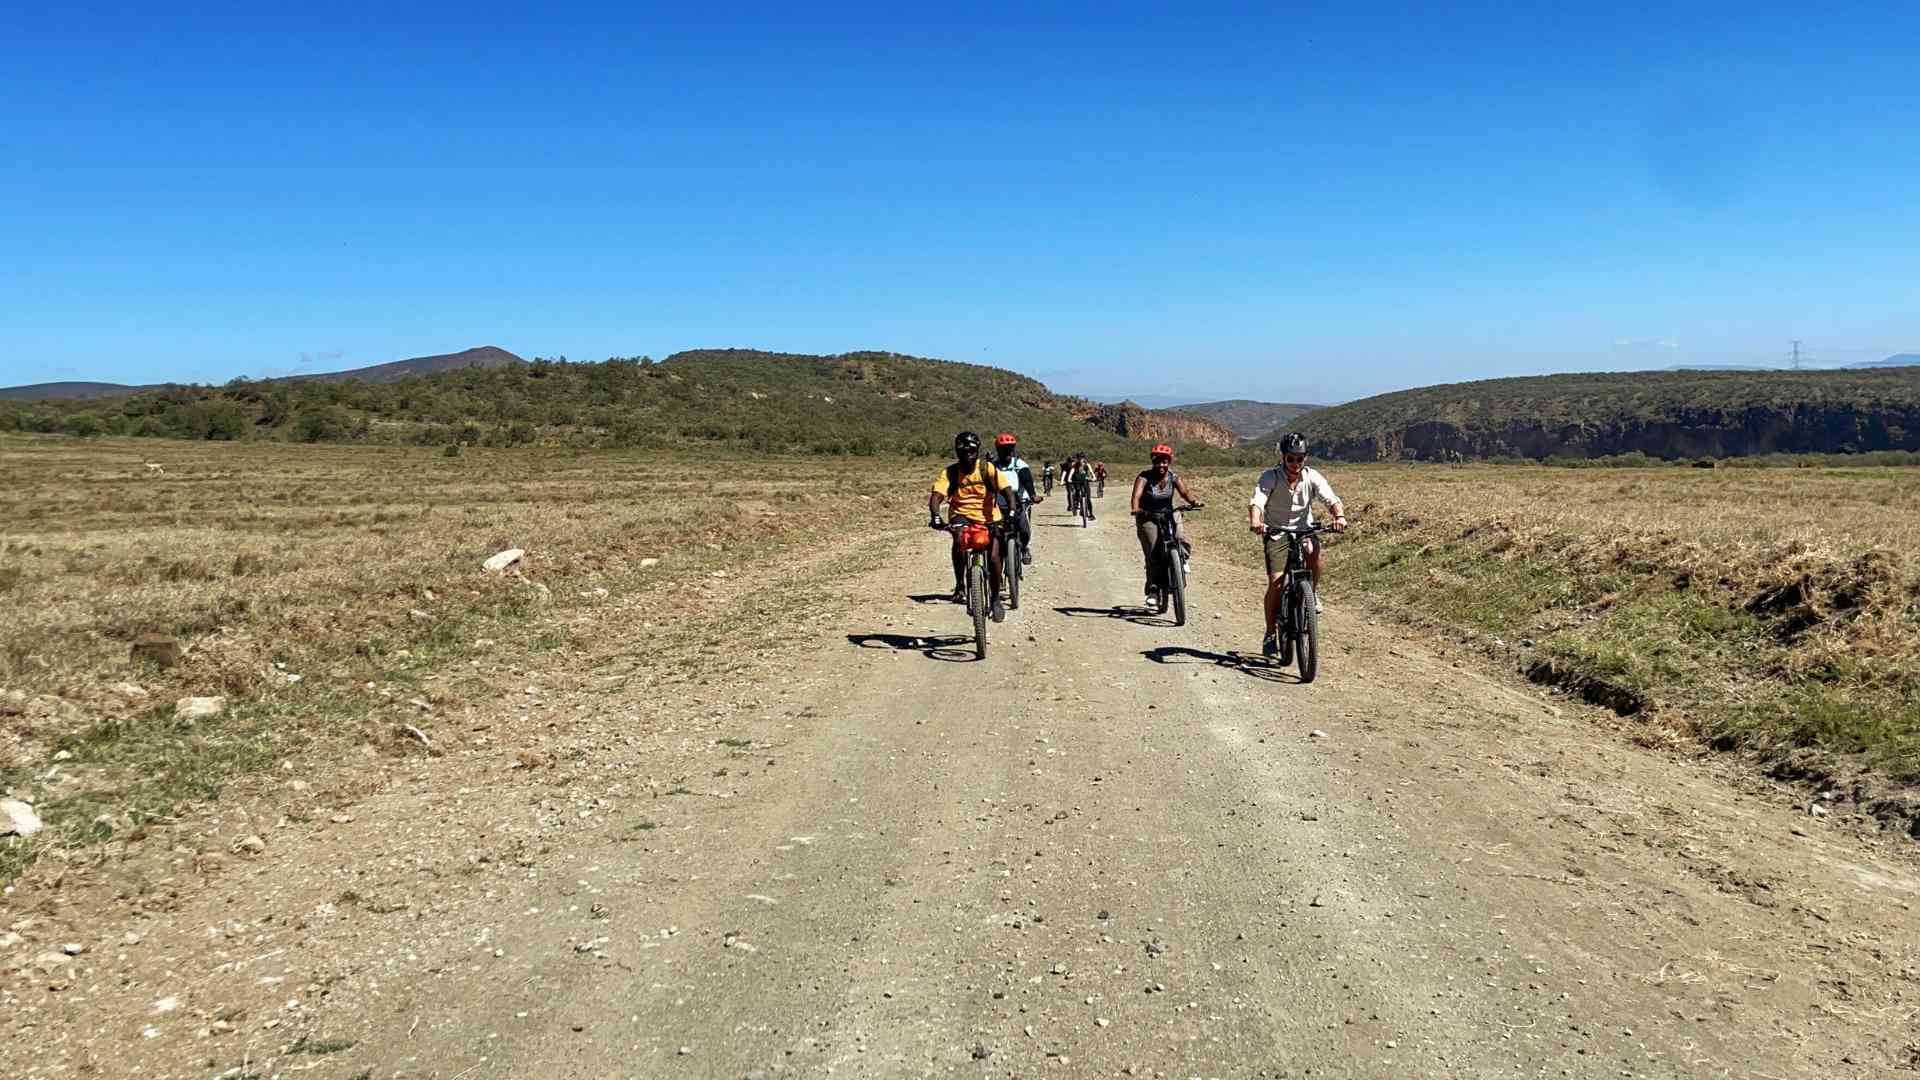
(1311, 530)
(948, 525)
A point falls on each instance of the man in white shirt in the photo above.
(1283, 499)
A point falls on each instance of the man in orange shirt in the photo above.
(971, 489)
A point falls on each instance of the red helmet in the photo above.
(1006, 439)
(1161, 449)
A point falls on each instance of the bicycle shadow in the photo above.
(931, 598)
(1139, 616)
(951, 649)
(1257, 666)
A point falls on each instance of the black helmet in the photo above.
(1293, 443)
(966, 440)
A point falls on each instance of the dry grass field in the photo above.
(331, 594)
(1775, 610)
(334, 595)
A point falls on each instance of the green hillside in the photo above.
(1670, 415)
(865, 403)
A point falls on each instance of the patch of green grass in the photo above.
(1458, 582)
(1832, 717)
(1656, 644)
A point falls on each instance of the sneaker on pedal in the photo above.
(1270, 645)
(999, 610)
(1026, 557)
(1186, 567)
(1318, 607)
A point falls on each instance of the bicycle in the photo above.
(976, 539)
(1167, 566)
(1011, 567)
(1082, 502)
(1103, 489)
(1298, 620)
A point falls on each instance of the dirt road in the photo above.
(1113, 848)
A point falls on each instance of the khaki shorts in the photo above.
(1277, 552)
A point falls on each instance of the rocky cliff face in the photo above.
(1131, 421)
(1811, 428)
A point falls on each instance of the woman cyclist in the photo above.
(1153, 492)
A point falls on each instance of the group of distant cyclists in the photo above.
(1000, 492)
(1079, 476)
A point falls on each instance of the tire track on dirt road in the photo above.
(1114, 847)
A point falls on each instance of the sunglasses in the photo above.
(1295, 459)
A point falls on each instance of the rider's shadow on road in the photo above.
(1257, 666)
(1137, 615)
(953, 650)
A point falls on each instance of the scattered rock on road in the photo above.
(199, 708)
(18, 819)
(498, 562)
(128, 691)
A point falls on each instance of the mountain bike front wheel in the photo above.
(1012, 571)
(1308, 621)
(1177, 582)
(978, 605)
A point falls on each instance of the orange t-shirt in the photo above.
(972, 495)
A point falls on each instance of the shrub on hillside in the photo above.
(323, 424)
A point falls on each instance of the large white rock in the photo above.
(498, 562)
(199, 708)
(18, 819)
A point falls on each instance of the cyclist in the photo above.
(1100, 474)
(1006, 456)
(1047, 474)
(1283, 499)
(1153, 492)
(1079, 478)
(971, 488)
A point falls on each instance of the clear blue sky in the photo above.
(1313, 204)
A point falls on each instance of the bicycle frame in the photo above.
(1166, 529)
(1295, 569)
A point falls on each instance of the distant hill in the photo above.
(485, 356)
(1660, 414)
(1246, 419)
(856, 403)
(66, 391)
(1901, 360)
